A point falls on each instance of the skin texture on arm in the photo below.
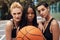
(40, 26)
(55, 30)
(59, 33)
(8, 30)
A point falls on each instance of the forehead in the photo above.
(30, 9)
(41, 7)
(15, 10)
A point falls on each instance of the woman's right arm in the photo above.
(40, 26)
(8, 30)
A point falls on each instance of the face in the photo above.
(16, 13)
(30, 14)
(43, 11)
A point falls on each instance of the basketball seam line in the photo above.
(27, 32)
(32, 34)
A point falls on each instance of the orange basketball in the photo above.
(29, 33)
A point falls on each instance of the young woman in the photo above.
(50, 27)
(16, 21)
(30, 15)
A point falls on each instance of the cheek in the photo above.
(33, 15)
(13, 16)
(45, 12)
(27, 16)
(20, 15)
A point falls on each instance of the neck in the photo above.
(16, 23)
(48, 17)
(30, 23)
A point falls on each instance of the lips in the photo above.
(17, 18)
(30, 18)
(41, 15)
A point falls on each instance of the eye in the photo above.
(32, 12)
(14, 13)
(19, 13)
(38, 11)
(43, 9)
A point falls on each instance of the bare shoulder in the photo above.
(54, 25)
(9, 25)
(55, 29)
(54, 22)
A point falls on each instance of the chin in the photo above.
(17, 20)
(29, 20)
(44, 16)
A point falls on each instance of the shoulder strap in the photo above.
(48, 26)
(51, 21)
(12, 22)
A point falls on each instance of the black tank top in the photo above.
(13, 33)
(47, 33)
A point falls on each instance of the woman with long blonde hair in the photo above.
(15, 22)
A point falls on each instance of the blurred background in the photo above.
(5, 14)
(5, 4)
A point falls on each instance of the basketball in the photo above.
(29, 33)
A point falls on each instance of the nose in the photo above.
(30, 14)
(41, 13)
(17, 15)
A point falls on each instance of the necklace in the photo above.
(45, 24)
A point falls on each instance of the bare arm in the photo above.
(55, 30)
(40, 26)
(8, 31)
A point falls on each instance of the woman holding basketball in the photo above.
(30, 16)
(16, 21)
(30, 22)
